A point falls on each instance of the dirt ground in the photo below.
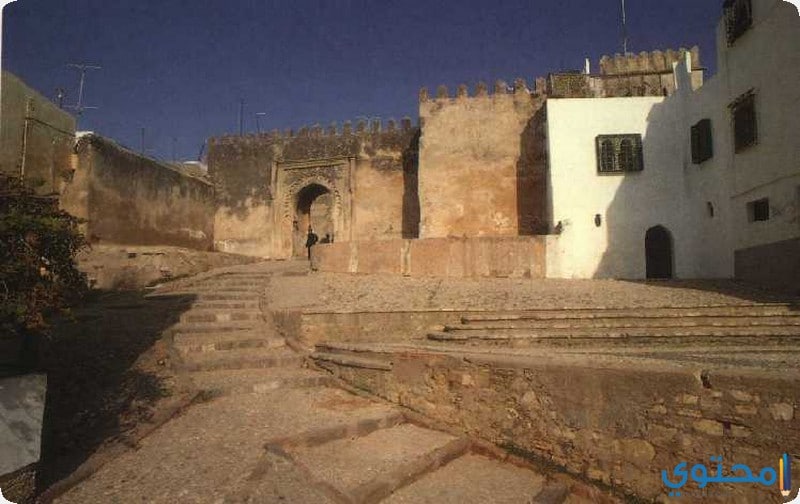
(343, 292)
(118, 267)
(108, 374)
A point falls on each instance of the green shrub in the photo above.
(38, 270)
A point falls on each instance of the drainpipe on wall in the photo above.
(24, 148)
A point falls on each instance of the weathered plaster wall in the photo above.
(520, 257)
(370, 173)
(36, 137)
(765, 59)
(481, 163)
(130, 199)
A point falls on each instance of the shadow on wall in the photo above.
(240, 172)
(646, 231)
(411, 207)
(531, 177)
(107, 368)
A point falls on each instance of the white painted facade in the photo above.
(671, 190)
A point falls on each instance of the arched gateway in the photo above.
(314, 208)
(316, 194)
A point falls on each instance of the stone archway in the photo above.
(316, 192)
(314, 208)
(658, 252)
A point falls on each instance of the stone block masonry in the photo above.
(614, 420)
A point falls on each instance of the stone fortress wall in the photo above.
(129, 199)
(369, 173)
(642, 74)
(482, 162)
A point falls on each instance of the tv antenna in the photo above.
(624, 30)
(82, 68)
(259, 115)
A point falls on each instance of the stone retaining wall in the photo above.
(312, 328)
(617, 423)
(520, 257)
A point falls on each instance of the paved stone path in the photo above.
(275, 431)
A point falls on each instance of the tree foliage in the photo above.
(38, 269)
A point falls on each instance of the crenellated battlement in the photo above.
(362, 127)
(647, 62)
(481, 90)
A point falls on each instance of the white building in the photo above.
(707, 179)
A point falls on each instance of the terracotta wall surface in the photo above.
(130, 199)
(436, 257)
(479, 162)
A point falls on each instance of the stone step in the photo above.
(474, 479)
(752, 310)
(255, 326)
(349, 360)
(220, 315)
(247, 358)
(234, 304)
(369, 468)
(224, 289)
(625, 322)
(659, 335)
(245, 381)
(223, 342)
(235, 281)
(213, 295)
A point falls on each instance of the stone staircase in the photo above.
(224, 343)
(227, 346)
(773, 324)
(389, 459)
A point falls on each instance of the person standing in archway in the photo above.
(311, 240)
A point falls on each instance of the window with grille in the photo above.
(738, 18)
(619, 153)
(758, 211)
(745, 130)
(702, 142)
(607, 156)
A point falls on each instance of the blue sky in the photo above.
(179, 68)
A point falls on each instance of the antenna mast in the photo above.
(624, 30)
(82, 68)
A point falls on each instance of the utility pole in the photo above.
(82, 68)
(174, 142)
(142, 138)
(624, 30)
(241, 116)
(60, 94)
(258, 124)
